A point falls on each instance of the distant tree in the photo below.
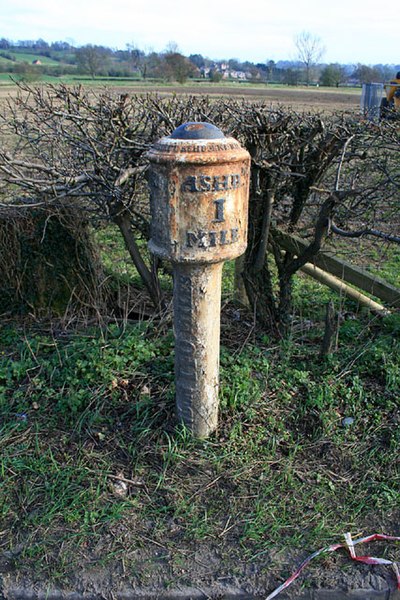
(40, 45)
(215, 75)
(60, 46)
(154, 62)
(198, 60)
(366, 74)
(92, 59)
(5, 44)
(262, 70)
(386, 72)
(270, 67)
(235, 64)
(172, 48)
(137, 59)
(290, 76)
(25, 43)
(333, 75)
(177, 67)
(310, 49)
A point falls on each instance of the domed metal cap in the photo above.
(197, 131)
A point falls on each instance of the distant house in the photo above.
(36, 62)
(238, 74)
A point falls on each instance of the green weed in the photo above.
(305, 449)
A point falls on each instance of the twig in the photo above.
(135, 482)
(356, 234)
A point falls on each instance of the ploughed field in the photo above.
(298, 98)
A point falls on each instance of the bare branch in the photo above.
(362, 232)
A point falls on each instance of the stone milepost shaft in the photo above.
(199, 181)
(197, 299)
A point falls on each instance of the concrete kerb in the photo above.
(217, 592)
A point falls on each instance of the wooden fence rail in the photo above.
(343, 270)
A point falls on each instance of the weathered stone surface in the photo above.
(197, 294)
(199, 199)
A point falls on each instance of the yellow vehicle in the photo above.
(392, 100)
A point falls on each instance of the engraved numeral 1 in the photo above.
(219, 211)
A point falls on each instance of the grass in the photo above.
(30, 57)
(378, 257)
(220, 87)
(5, 79)
(93, 464)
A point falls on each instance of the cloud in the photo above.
(353, 31)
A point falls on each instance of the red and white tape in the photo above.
(349, 544)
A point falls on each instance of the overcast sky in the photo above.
(352, 31)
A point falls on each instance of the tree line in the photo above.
(61, 58)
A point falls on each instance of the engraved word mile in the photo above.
(211, 239)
